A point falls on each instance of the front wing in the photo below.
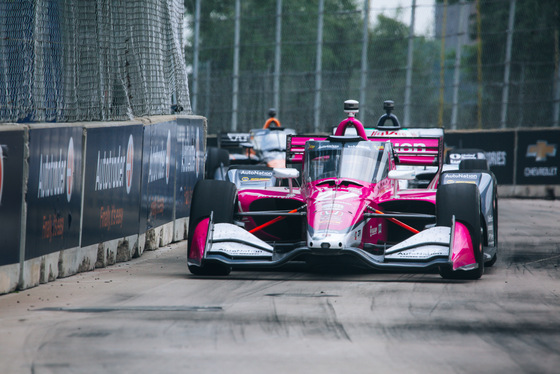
(234, 246)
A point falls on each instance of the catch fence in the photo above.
(91, 60)
(475, 64)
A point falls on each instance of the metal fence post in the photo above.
(318, 67)
(507, 63)
(235, 88)
(457, 67)
(556, 101)
(479, 65)
(442, 65)
(556, 108)
(196, 49)
(409, 62)
(364, 68)
(277, 55)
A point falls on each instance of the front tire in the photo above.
(209, 196)
(461, 200)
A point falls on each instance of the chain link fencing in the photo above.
(91, 60)
(485, 70)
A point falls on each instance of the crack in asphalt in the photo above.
(178, 308)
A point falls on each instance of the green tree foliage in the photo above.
(342, 33)
(387, 57)
(341, 60)
(533, 61)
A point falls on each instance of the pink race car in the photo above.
(350, 207)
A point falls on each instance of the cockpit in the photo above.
(365, 161)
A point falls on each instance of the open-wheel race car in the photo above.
(349, 209)
(262, 147)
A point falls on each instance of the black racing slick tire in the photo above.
(492, 261)
(219, 197)
(216, 158)
(461, 200)
(474, 164)
(494, 258)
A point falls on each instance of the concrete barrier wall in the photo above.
(75, 197)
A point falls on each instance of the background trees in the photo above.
(533, 65)
(534, 60)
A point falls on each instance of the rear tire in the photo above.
(474, 164)
(491, 262)
(461, 200)
(216, 158)
(495, 225)
(209, 196)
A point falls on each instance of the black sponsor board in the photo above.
(53, 190)
(538, 157)
(158, 175)
(498, 147)
(190, 162)
(112, 183)
(11, 181)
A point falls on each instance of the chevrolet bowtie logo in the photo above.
(541, 150)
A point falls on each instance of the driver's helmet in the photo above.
(272, 121)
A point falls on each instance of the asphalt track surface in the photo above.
(150, 315)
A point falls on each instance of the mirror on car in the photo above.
(401, 174)
(286, 173)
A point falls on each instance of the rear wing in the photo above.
(295, 147)
(415, 147)
(233, 139)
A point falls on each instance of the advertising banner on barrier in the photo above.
(538, 157)
(190, 162)
(498, 146)
(11, 180)
(158, 175)
(112, 183)
(54, 190)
